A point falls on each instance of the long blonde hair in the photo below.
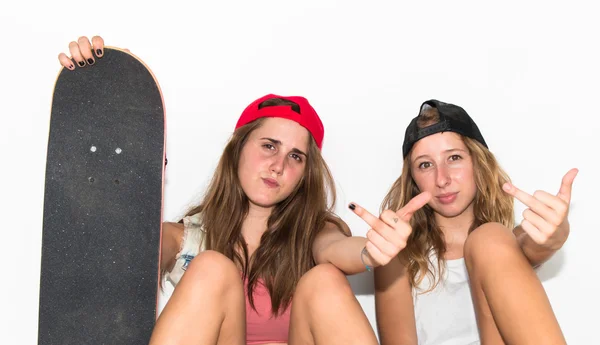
(285, 250)
(491, 204)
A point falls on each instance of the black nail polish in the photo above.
(90, 61)
(98, 52)
(81, 63)
(71, 66)
(352, 207)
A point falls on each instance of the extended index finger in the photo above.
(526, 199)
(374, 222)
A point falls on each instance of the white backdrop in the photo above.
(526, 71)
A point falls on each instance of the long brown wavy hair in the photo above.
(491, 204)
(285, 250)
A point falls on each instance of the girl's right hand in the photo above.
(82, 52)
(390, 231)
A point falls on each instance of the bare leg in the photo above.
(510, 301)
(325, 311)
(207, 306)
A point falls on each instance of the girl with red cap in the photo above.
(264, 255)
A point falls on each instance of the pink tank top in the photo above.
(261, 326)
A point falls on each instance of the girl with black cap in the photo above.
(466, 276)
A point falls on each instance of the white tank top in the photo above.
(446, 316)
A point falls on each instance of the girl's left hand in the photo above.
(546, 217)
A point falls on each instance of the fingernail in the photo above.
(352, 207)
(71, 67)
(99, 52)
(90, 61)
(81, 63)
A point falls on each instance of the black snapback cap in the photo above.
(452, 119)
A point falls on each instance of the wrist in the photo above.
(367, 260)
(535, 253)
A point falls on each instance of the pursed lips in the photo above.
(445, 195)
(272, 183)
(446, 198)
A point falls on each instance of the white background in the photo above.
(526, 71)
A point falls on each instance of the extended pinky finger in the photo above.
(65, 61)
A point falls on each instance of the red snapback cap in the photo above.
(307, 117)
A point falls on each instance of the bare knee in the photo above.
(489, 243)
(211, 268)
(323, 284)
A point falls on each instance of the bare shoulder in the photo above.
(171, 227)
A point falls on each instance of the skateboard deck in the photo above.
(102, 205)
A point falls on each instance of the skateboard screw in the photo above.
(116, 181)
(93, 148)
(118, 150)
(91, 179)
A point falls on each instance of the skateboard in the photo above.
(103, 205)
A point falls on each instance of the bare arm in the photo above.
(337, 248)
(172, 236)
(386, 238)
(394, 306)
